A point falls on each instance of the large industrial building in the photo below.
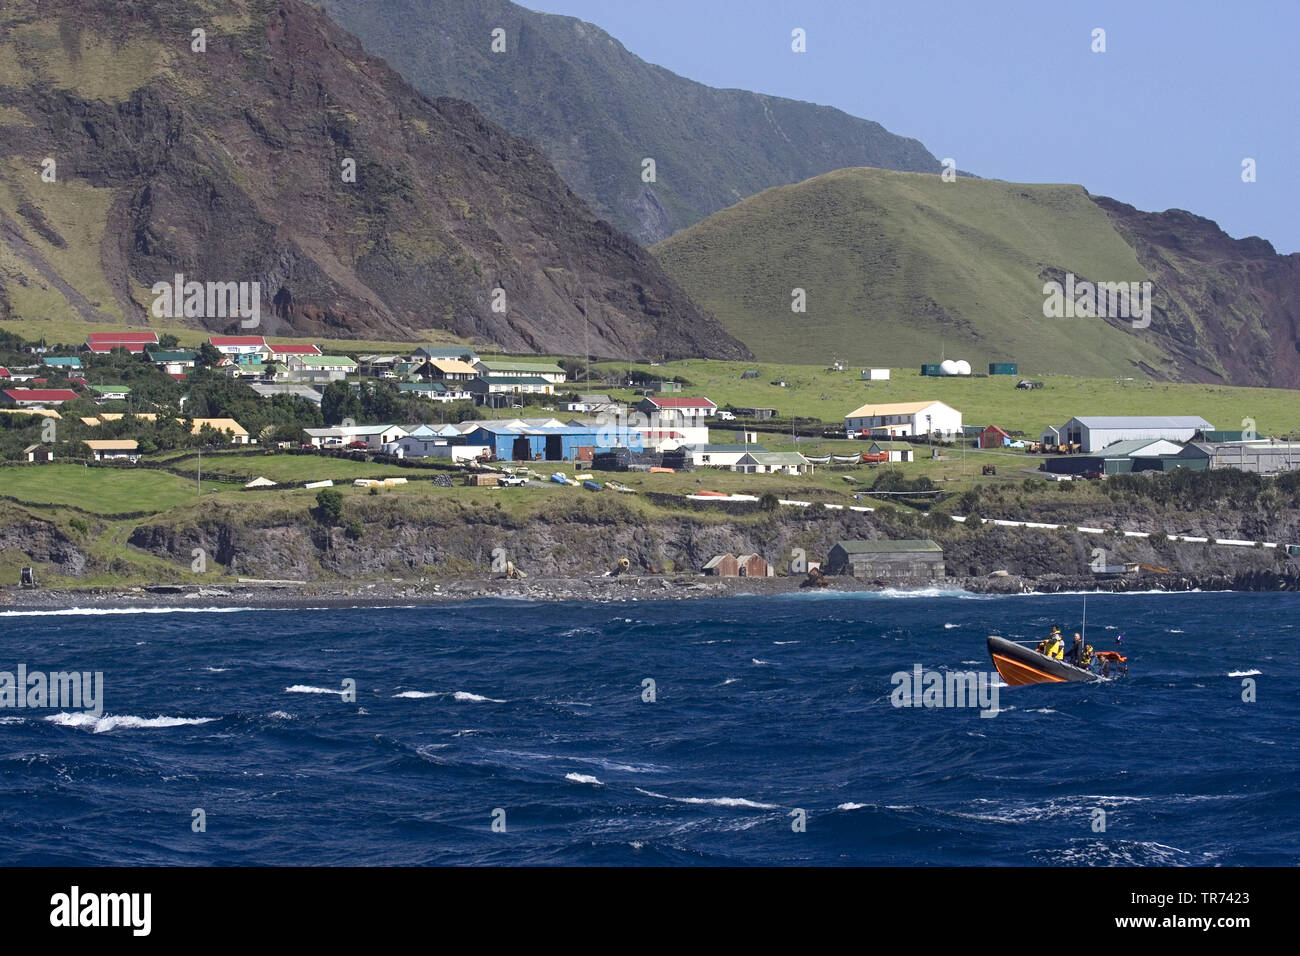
(1096, 432)
(1265, 456)
(1132, 456)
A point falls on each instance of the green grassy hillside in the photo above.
(814, 392)
(901, 268)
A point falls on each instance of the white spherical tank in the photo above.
(963, 367)
(948, 367)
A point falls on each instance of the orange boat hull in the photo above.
(1015, 673)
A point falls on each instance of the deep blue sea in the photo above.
(533, 715)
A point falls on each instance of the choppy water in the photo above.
(763, 707)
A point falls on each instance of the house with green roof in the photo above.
(502, 368)
(176, 362)
(110, 393)
(319, 368)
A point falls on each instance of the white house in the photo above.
(1096, 432)
(875, 375)
(114, 449)
(375, 436)
(773, 462)
(720, 456)
(905, 418)
(670, 410)
(283, 351)
(893, 450)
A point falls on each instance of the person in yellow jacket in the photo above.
(1053, 646)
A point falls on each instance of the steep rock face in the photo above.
(599, 111)
(1232, 310)
(234, 164)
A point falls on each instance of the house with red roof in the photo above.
(104, 342)
(994, 437)
(36, 397)
(281, 351)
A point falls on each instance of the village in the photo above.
(500, 422)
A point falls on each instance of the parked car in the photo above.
(512, 481)
(357, 444)
(727, 416)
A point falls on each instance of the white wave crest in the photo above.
(583, 778)
(308, 689)
(1250, 673)
(713, 801)
(417, 694)
(476, 698)
(101, 725)
(97, 611)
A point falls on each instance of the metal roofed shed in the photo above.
(903, 558)
(1096, 432)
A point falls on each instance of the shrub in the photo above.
(355, 529)
(329, 506)
(76, 524)
(769, 502)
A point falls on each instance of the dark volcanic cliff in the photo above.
(1231, 307)
(228, 165)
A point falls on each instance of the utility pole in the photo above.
(198, 481)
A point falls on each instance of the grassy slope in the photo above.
(982, 401)
(900, 268)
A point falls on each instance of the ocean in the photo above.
(742, 731)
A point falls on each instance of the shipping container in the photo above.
(1004, 368)
(930, 370)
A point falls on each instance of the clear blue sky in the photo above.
(1012, 90)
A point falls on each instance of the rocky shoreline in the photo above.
(595, 588)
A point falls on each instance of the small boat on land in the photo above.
(1023, 665)
(592, 485)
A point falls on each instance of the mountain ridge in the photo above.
(598, 110)
(227, 165)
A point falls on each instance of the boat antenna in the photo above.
(1084, 633)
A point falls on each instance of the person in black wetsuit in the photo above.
(1079, 654)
